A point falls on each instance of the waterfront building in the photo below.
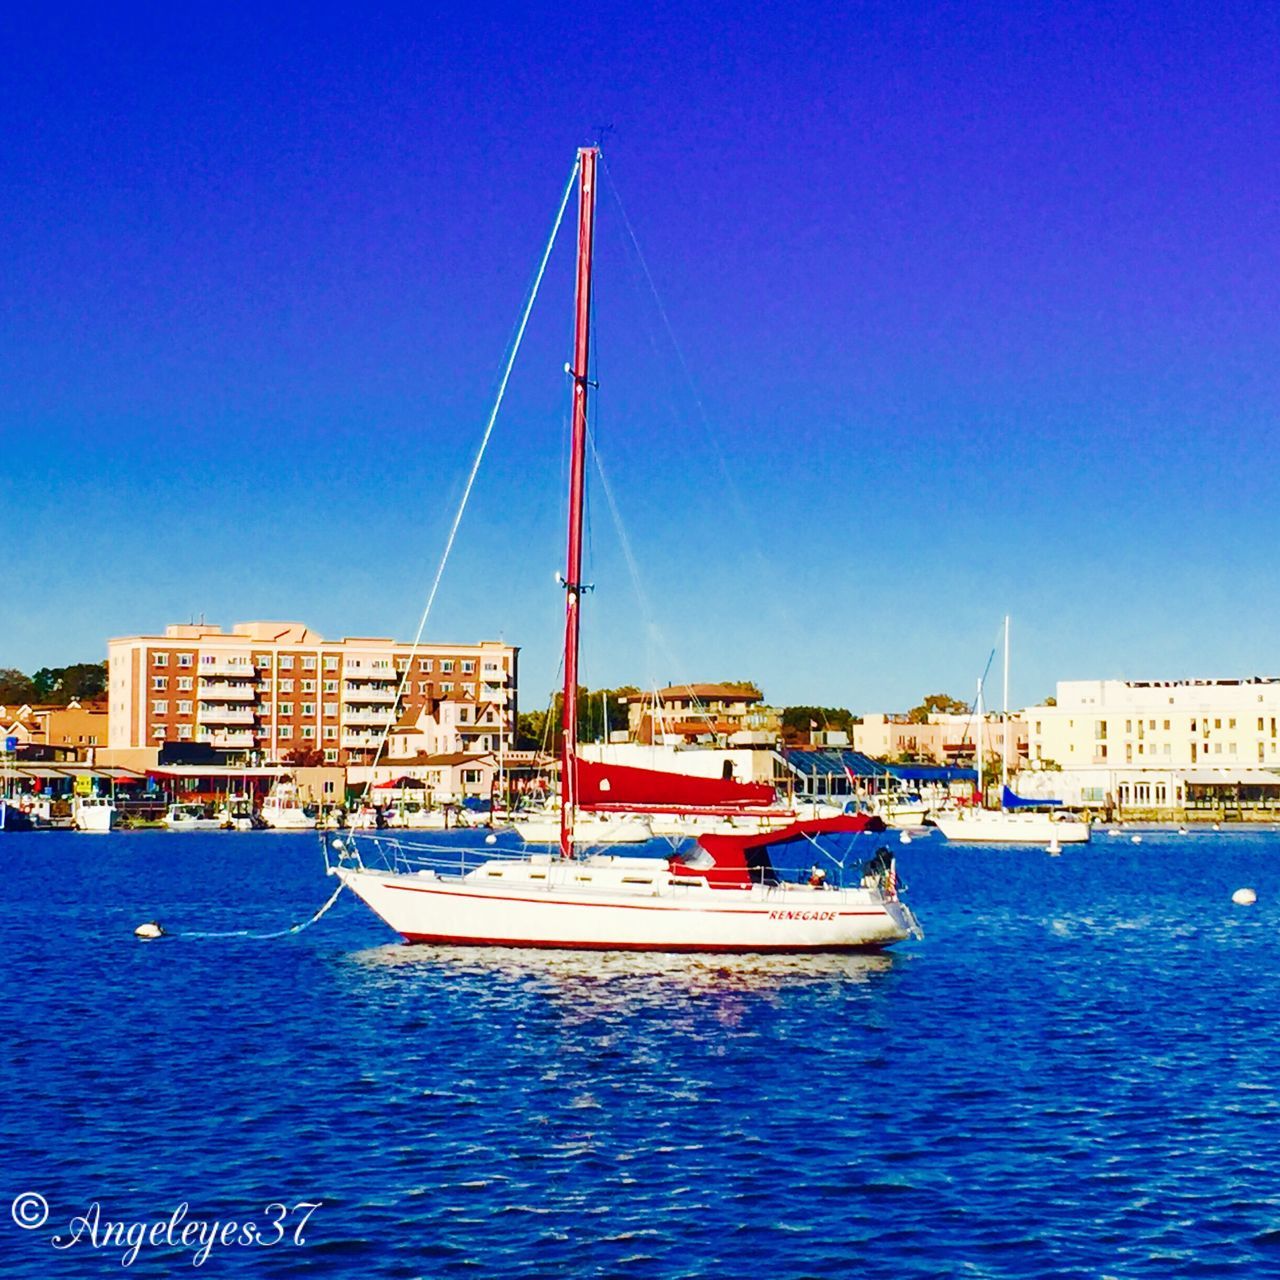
(687, 713)
(1158, 724)
(274, 691)
(71, 732)
(943, 739)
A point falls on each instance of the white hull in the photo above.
(186, 818)
(996, 826)
(287, 819)
(902, 814)
(94, 814)
(605, 903)
(588, 830)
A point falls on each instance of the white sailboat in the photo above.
(1016, 821)
(725, 893)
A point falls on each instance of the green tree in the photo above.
(937, 704)
(81, 681)
(16, 688)
(542, 729)
(799, 722)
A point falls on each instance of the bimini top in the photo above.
(738, 862)
(1010, 801)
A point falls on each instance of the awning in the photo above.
(1231, 778)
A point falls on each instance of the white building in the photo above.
(1178, 724)
(1156, 744)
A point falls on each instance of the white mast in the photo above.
(1004, 732)
(977, 743)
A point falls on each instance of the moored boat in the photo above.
(722, 893)
(185, 816)
(93, 813)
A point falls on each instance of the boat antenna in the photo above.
(573, 586)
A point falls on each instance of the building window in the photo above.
(309, 664)
(261, 659)
(447, 687)
(160, 659)
(286, 662)
(330, 732)
(184, 708)
(286, 686)
(160, 708)
(184, 731)
(159, 682)
(331, 756)
(331, 686)
(184, 659)
(184, 683)
(308, 708)
(468, 666)
(286, 708)
(423, 688)
(330, 709)
(308, 731)
(160, 732)
(424, 664)
(402, 664)
(1231, 724)
(285, 731)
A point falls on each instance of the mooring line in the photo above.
(153, 929)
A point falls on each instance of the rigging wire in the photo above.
(475, 466)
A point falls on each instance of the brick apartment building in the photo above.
(264, 690)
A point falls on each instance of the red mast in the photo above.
(577, 478)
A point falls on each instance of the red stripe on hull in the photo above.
(441, 939)
(616, 906)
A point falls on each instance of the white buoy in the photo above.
(1182, 831)
(1135, 839)
(1217, 826)
(1115, 831)
(905, 838)
(491, 838)
(149, 932)
(1244, 897)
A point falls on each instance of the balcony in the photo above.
(361, 741)
(385, 697)
(225, 715)
(228, 738)
(224, 692)
(245, 670)
(378, 718)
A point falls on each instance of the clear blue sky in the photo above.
(980, 304)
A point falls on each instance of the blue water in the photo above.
(1077, 1073)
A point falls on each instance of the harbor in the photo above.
(638, 643)
(446, 1105)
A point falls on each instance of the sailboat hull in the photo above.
(996, 826)
(553, 912)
